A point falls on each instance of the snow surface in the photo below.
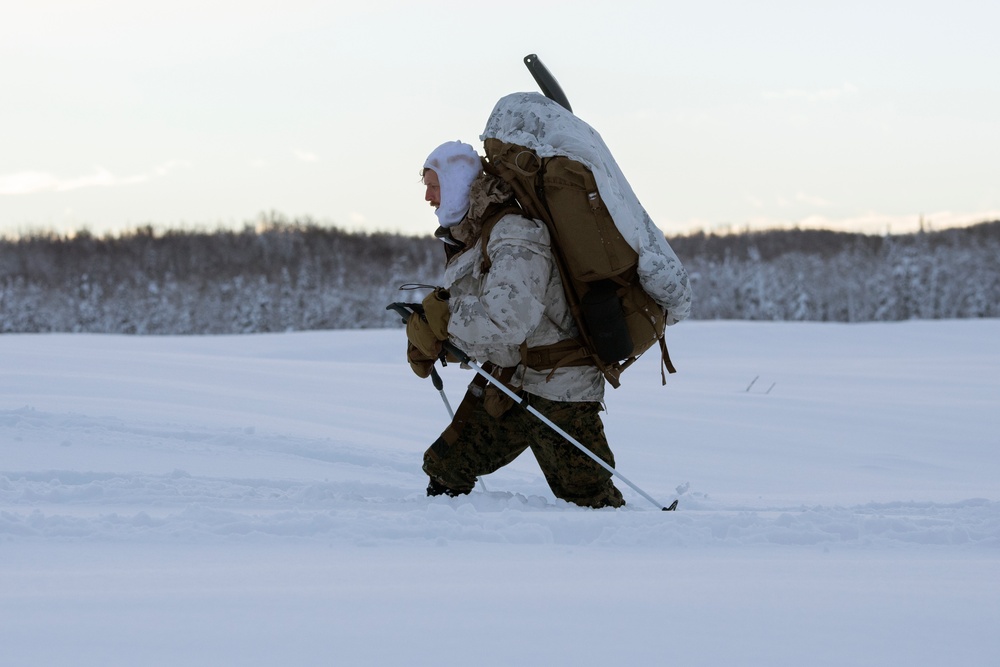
(258, 500)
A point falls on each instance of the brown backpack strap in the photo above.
(552, 357)
(665, 360)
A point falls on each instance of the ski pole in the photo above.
(523, 402)
(408, 309)
(405, 310)
(439, 385)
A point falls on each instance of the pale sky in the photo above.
(861, 116)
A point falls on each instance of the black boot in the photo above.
(436, 488)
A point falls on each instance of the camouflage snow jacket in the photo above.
(520, 299)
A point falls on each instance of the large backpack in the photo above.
(617, 316)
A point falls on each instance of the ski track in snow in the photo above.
(384, 507)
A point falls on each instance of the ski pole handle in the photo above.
(404, 310)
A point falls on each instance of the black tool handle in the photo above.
(543, 77)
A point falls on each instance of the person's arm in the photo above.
(511, 303)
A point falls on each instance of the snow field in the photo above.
(256, 499)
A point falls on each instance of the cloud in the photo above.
(781, 201)
(811, 200)
(869, 222)
(32, 182)
(26, 182)
(170, 165)
(881, 223)
(823, 95)
(100, 178)
(306, 156)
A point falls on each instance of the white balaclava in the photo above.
(457, 165)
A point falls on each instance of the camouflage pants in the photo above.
(477, 443)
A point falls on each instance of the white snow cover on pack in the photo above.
(536, 122)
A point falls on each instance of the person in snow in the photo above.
(498, 303)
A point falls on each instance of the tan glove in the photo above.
(418, 331)
(419, 362)
(437, 313)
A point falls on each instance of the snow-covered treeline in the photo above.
(814, 275)
(273, 277)
(280, 276)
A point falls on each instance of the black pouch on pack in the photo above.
(605, 318)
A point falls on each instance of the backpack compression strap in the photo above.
(563, 354)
